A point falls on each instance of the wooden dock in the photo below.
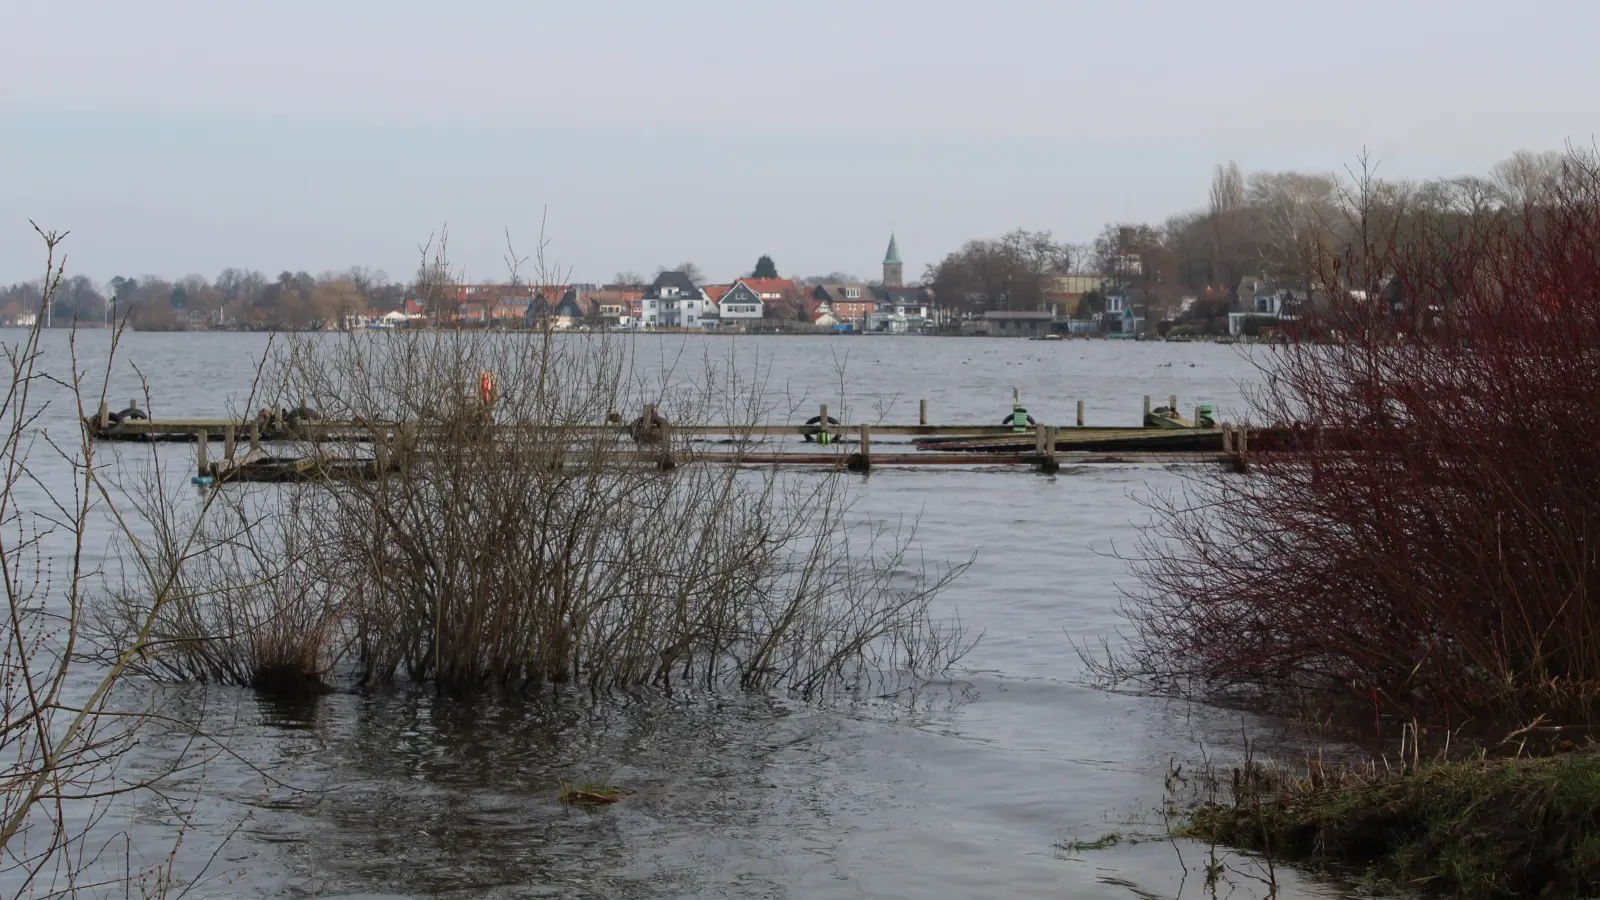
(650, 440)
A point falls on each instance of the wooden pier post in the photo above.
(1241, 446)
(824, 436)
(380, 450)
(228, 438)
(861, 460)
(668, 462)
(1196, 418)
(1227, 438)
(406, 445)
(255, 436)
(1147, 406)
(202, 466)
(1080, 413)
(1050, 465)
(1172, 403)
(649, 429)
(922, 414)
(1038, 441)
(104, 415)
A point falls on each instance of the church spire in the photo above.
(893, 270)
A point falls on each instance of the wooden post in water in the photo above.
(861, 460)
(1147, 406)
(1227, 438)
(824, 436)
(1038, 441)
(1172, 403)
(666, 463)
(201, 445)
(1050, 464)
(408, 440)
(380, 450)
(922, 414)
(1196, 419)
(255, 436)
(228, 438)
(1080, 413)
(104, 415)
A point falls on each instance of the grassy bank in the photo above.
(1475, 828)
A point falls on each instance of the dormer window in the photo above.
(852, 293)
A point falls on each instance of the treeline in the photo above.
(238, 298)
(1272, 225)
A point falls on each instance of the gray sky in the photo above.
(179, 136)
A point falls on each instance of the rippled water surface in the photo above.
(968, 788)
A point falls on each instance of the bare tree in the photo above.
(1227, 201)
(1464, 195)
(1526, 178)
(69, 726)
(1227, 189)
(1293, 211)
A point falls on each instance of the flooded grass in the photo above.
(1480, 828)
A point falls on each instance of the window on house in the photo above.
(852, 293)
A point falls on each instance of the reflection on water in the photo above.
(968, 788)
(443, 796)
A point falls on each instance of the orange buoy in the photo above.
(486, 387)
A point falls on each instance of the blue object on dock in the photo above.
(202, 480)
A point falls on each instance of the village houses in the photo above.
(674, 301)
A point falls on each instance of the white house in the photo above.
(1258, 303)
(741, 304)
(673, 301)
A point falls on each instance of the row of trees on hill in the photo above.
(238, 298)
(1275, 225)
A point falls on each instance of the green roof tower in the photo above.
(893, 269)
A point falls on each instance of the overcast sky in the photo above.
(183, 136)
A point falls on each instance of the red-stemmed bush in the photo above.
(1429, 545)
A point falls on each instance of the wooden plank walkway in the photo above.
(650, 440)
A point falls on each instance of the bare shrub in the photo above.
(71, 727)
(248, 610)
(1426, 545)
(521, 531)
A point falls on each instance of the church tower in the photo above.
(893, 269)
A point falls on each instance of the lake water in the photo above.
(970, 788)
